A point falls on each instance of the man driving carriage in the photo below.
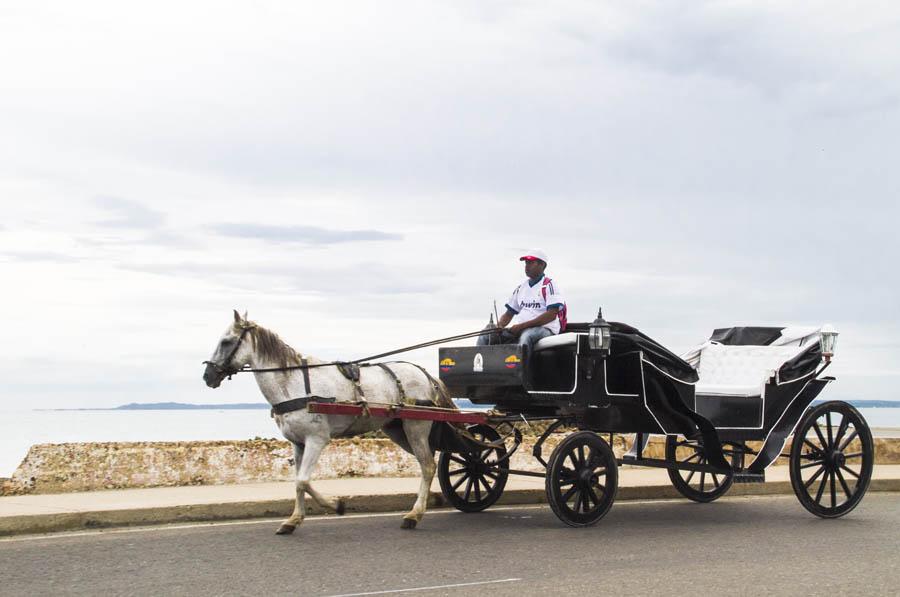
(537, 305)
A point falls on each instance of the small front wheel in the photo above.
(832, 455)
(582, 479)
(474, 480)
(699, 486)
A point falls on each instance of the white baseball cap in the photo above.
(532, 254)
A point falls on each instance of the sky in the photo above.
(361, 176)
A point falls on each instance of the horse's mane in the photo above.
(270, 347)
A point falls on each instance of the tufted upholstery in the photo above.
(739, 370)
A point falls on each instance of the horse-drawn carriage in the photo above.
(726, 410)
(743, 385)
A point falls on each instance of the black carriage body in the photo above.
(706, 406)
(639, 387)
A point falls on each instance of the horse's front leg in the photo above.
(417, 433)
(308, 457)
(288, 526)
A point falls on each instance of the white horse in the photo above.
(245, 343)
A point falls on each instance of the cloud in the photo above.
(302, 234)
(38, 257)
(350, 280)
(129, 214)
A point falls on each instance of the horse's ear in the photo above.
(237, 316)
(245, 315)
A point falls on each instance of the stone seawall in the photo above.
(60, 468)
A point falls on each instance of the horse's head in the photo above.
(231, 354)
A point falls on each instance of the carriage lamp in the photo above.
(827, 341)
(599, 337)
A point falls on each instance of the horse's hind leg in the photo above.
(417, 433)
(308, 457)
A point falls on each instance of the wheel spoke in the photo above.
(487, 486)
(814, 447)
(573, 460)
(594, 497)
(568, 494)
(564, 483)
(854, 455)
(690, 476)
(702, 481)
(844, 485)
(458, 460)
(689, 458)
(477, 489)
(842, 429)
(812, 479)
(849, 439)
(715, 480)
(576, 505)
(828, 429)
(586, 498)
(581, 455)
(851, 471)
(821, 489)
(818, 431)
(455, 472)
(833, 491)
(814, 463)
(460, 481)
(468, 490)
(491, 474)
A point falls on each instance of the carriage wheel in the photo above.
(582, 479)
(698, 486)
(472, 481)
(831, 459)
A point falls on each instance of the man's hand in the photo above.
(515, 330)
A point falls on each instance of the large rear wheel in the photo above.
(582, 478)
(831, 459)
(474, 480)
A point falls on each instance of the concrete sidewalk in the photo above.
(30, 514)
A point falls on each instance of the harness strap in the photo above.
(305, 376)
(434, 384)
(396, 379)
(289, 406)
(351, 371)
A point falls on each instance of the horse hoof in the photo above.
(285, 529)
(340, 508)
(408, 523)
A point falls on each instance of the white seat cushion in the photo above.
(740, 370)
(567, 339)
(747, 391)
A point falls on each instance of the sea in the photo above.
(19, 430)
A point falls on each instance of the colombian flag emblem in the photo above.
(447, 364)
(512, 361)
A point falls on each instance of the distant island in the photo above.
(460, 402)
(868, 403)
(185, 406)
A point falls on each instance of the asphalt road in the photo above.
(736, 546)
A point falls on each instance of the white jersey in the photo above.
(528, 302)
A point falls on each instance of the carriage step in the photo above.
(750, 477)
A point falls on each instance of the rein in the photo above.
(225, 368)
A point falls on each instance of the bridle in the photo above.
(225, 368)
